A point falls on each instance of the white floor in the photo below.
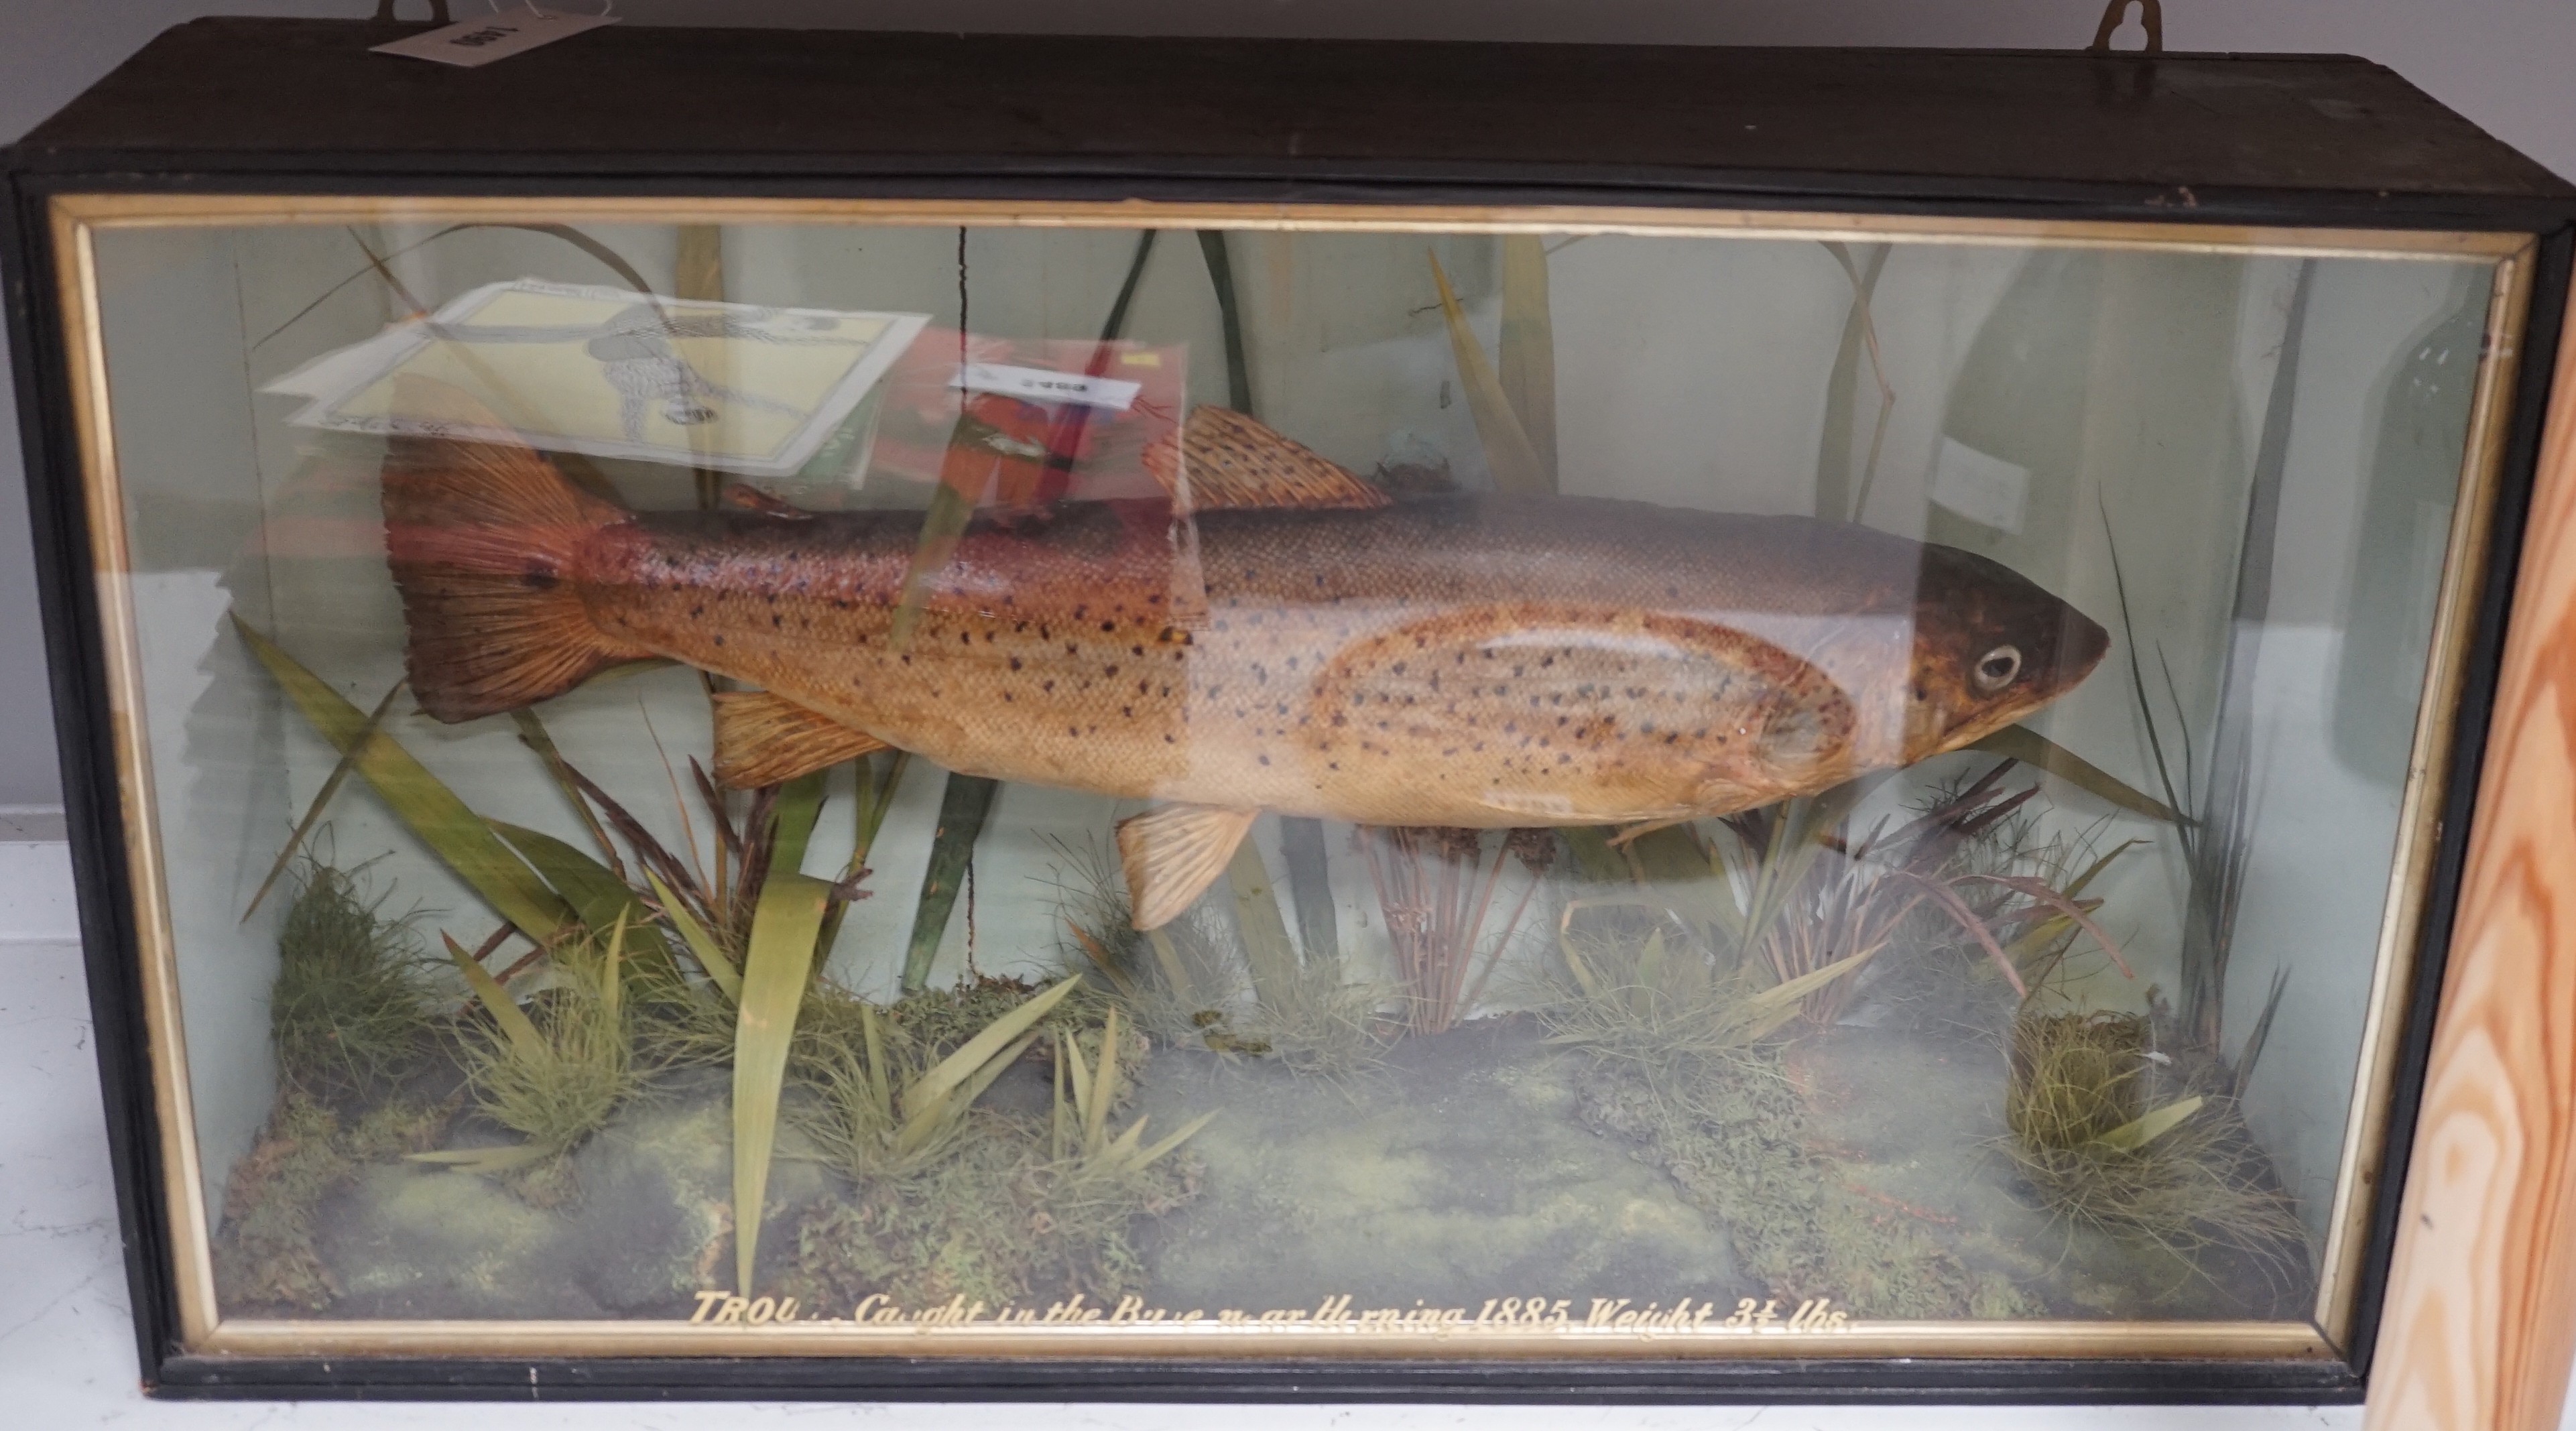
(67, 1350)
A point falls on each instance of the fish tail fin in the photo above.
(482, 539)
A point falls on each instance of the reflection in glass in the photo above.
(970, 768)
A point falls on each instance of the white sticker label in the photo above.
(496, 36)
(1047, 385)
(1979, 486)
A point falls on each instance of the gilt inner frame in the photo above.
(77, 217)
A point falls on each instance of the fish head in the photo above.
(1990, 648)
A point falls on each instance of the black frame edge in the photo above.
(2544, 329)
(1890, 1381)
(86, 751)
(72, 627)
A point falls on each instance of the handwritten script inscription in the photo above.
(1748, 1316)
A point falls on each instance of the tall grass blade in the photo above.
(1118, 978)
(2148, 1127)
(2252, 1053)
(532, 734)
(963, 805)
(792, 820)
(1238, 375)
(953, 1071)
(431, 810)
(1529, 347)
(943, 525)
(330, 786)
(933, 1114)
(600, 898)
(505, 1011)
(710, 955)
(2031, 748)
(1835, 497)
(1104, 1084)
(1508, 454)
(486, 1160)
(1267, 954)
(1176, 972)
(777, 964)
(1146, 1158)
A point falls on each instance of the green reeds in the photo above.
(442, 821)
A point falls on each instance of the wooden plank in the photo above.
(305, 96)
(2480, 1318)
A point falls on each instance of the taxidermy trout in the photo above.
(1472, 660)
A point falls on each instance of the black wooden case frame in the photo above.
(219, 114)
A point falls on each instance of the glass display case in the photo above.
(869, 784)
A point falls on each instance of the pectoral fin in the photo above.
(762, 740)
(1173, 853)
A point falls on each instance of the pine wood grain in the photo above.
(2480, 1319)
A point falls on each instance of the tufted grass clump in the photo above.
(951, 1198)
(2106, 1146)
(557, 1073)
(351, 1010)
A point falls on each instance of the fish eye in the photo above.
(1996, 669)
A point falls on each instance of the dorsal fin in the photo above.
(1173, 853)
(764, 740)
(1233, 461)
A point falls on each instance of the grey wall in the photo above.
(2501, 62)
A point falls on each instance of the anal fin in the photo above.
(1173, 853)
(762, 740)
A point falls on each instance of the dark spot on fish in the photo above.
(1049, 686)
(965, 638)
(1265, 760)
(540, 579)
(1015, 663)
(1135, 650)
(698, 610)
(1108, 625)
(720, 640)
(1071, 649)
